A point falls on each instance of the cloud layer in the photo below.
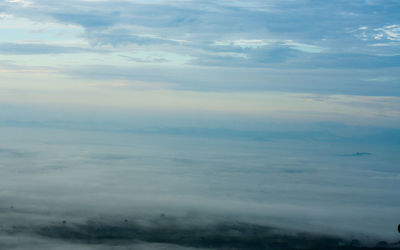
(313, 39)
(194, 185)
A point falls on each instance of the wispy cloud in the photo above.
(184, 25)
(206, 46)
(40, 48)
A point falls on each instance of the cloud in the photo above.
(38, 48)
(304, 47)
(388, 34)
(207, 46)
(6, 152)
(117, 37)
(241, 77)
(188, 25)
(9, 66)
(138, 85)
(358, 154)
(147, 59)
(23, 3)
(354, 61)
(86, 20)
(243, 43)
(121, 188)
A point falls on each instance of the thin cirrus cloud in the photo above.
(38, 48)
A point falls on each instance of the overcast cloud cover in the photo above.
(203, 124)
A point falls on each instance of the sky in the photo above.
(141, 115)
(336, 60)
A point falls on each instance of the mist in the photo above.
(65, 189)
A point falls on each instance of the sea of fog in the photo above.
(70, 189)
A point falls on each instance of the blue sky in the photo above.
(268, 58)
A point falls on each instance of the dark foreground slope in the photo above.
(166, 230)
